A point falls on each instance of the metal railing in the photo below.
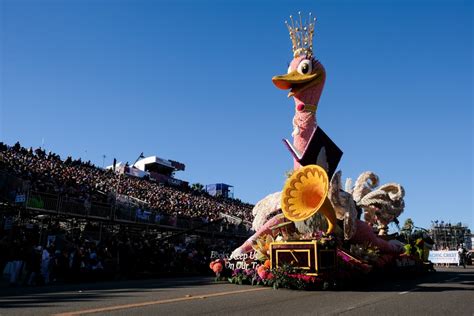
(42, 201)
(64, 205)
(11, 186)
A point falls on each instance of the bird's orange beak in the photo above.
(295, 81)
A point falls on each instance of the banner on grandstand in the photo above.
(20, 198)
(143, 215)
(136, 172)
(129, 200)
(444, 256)
(231, 219)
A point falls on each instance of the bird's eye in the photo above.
(305, 67)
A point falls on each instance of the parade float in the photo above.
(315, 233)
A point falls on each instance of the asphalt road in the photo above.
(450, 291)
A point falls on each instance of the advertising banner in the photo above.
(444, 256)
(20, 198)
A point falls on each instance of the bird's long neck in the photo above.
(304, 122)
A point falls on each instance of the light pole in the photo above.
(139, 157)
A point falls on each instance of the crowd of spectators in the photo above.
(82, 180)
(118, 255)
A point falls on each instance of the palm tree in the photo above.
(407, 229)
(197, 187)
(408, 226)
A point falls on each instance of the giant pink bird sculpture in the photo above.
(305, 79)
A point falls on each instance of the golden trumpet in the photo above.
(305, 193)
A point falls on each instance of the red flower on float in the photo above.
(217, 266)
(263, 271)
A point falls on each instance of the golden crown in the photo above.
(301, 35)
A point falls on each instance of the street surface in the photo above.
(450, 291)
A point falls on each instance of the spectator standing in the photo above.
(462, 256)
(45, 265)
(446, 249)
(33, 265)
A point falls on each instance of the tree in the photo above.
(408, 226)
(197, 187)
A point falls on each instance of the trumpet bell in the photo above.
(305, 193)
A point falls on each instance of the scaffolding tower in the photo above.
(447, 235)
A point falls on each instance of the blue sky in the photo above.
(191, 81)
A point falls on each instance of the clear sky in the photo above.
(191, 81)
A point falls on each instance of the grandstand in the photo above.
(70, 204)
(48, 174)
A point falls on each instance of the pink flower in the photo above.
(217, 267)
(264, 273)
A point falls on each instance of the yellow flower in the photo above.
(262, 247)
(304, 192)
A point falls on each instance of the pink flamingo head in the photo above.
(305, 80)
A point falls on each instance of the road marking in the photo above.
(171, 300)
(452, 279)
(405, 292)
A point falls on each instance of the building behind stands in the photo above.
(155, 168)
(220, 190)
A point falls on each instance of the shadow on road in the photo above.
(48, 296)
(458, 279)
